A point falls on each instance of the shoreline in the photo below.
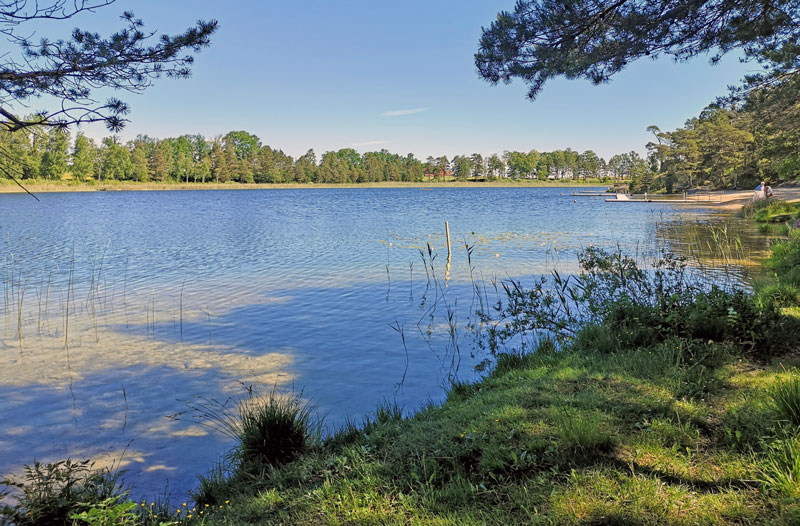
(8, 187)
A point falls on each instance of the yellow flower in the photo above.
(184, 504)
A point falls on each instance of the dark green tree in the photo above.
(305, 168)
(56, 151)
(71, 70)
(594, 39)
(116, 160)
(84, 158)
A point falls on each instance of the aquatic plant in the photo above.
(54, 493)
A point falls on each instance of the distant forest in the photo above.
(239, 156)
(753, 134)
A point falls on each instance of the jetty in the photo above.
(695, 200)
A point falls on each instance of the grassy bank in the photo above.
(667, 405)
(658, 401)
(44, 186)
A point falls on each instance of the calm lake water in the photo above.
(120, 307)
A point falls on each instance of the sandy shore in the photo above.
(736, 200)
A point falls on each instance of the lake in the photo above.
(119, 307)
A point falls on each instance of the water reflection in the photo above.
(719, 244)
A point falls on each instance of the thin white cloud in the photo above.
(400, 113)
(369, 143)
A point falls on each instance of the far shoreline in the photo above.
(9, 187)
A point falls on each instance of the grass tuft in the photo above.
(780, 469)
(273, 430)
(786, 397)
(582, 432)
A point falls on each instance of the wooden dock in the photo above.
(623, 198)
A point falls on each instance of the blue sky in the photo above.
(372, 74)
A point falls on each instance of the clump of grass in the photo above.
(273, 430)
(349, 433)
(215, 487)
(582, 432)
(786, 397)
(462, 390)
(780, 294)
(780, 469)
(270, 429)
(509, 362)
(597, 338)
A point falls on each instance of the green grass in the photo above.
(560, 438)
(786, 397)
(770, 211)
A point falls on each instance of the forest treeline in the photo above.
(239, 156)
(749, 136)
(752, 135)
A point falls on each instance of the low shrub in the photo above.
(57, 493)
(110, 512)
(614, 304)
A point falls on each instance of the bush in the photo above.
(615, 305)
(55, 493)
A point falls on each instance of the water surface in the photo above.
(120, 307)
